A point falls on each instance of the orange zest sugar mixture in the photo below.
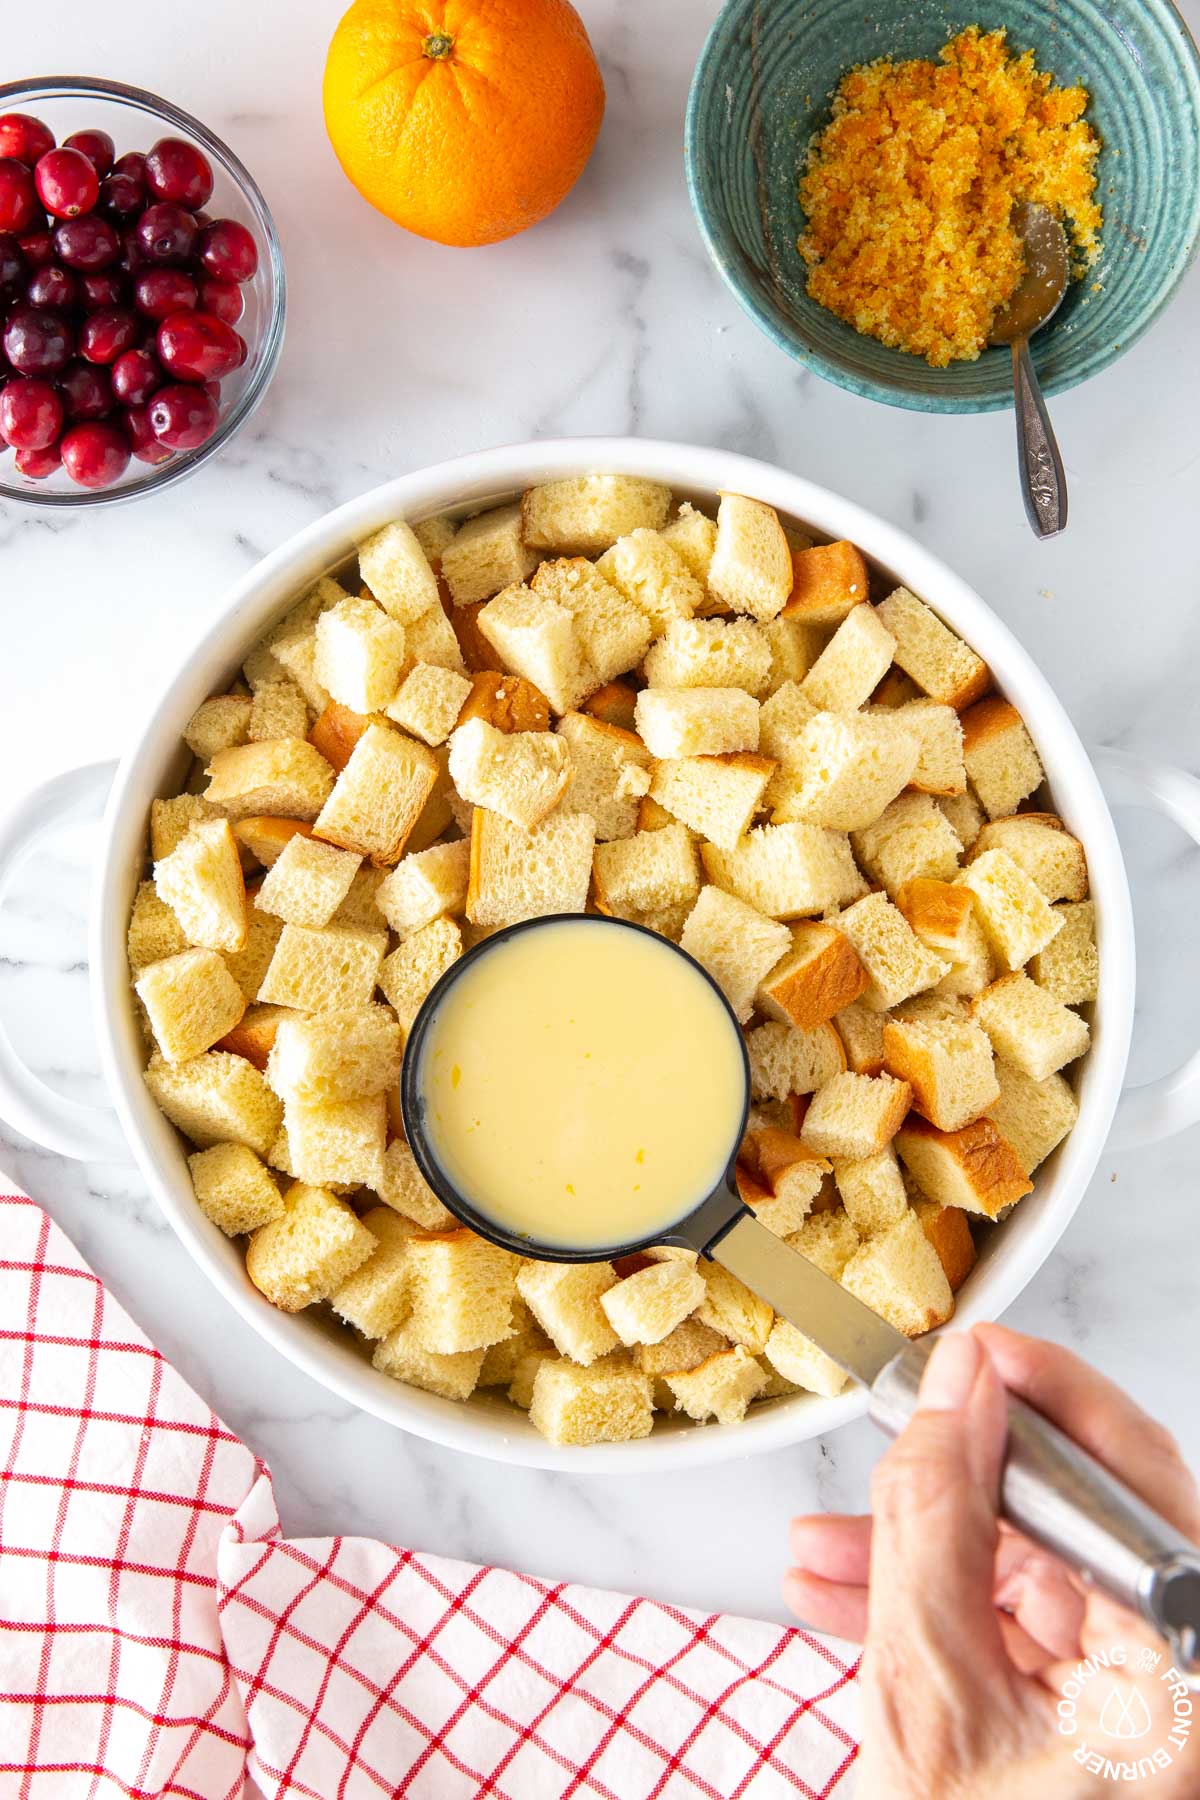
(908, 192)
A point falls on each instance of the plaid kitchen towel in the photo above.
(160, 1636)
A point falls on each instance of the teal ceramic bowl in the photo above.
(763, 86)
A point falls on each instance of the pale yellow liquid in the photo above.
(584, 1085)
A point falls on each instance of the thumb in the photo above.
(934, 1497)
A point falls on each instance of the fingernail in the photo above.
(950, 1375)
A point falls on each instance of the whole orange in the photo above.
(464, 120)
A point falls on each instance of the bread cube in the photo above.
(828, 582)
(861, 1031)
(411, 972)
(360, 909)
(608, 1403)
(787, 871)
(720, 1388)
(939, 662)
(717, 796)
(336, 732)
(278, 710)
(262, 665)
(785, 1060)
(475, 652)
(940, 768)
(586, 513)
(851, 1116)
(645, 1307)
(612, 704)
(432, 639)
(948, 1064)
(564, 1298)
(843, 769)
(293, 658)
(403, 1187)
(337, 1140)
(751, 567)
(1000, 757)
(912, 839)
(281, 777)
(502, 1360)
(536, 637)
(234, 1188)
(693, 536)
(519, 774)
(652, 577)
(249, 965)
(684, 1348)
(434, 535)
(965, 815)
(171, 820)
(348, 1054)
(780, 1179)
(397, 571)
(201, 881)
(781, 720)
(425, 885)
(872, 1190)
(736, 944)
(612, 630)
(309, 1251)
(376, 1298)
(600, 756)
(438, 811)
(1034, 1116)
(818, 976)
(974, 1168)
(218, 724)
(1041, 845)
(828, 1239)
(975, 968)
(696, 721)
(650, 869)
(429, 702)
(798, 1360)
(379, 795)
(948, 1232)
(1029, 1027)
(192, 1001)
(898, 1275)
(508, 702)
(517, 874)
(729, 1307)
(462, 1291)
(307, 882)
(525, 1371)
(265, 839)
(1018, 920)
(254, 1034)
(710, 653)
(894, 957)
(487, 553)
(401, 1356)
(317, 971)
(940, 912)
(154, 931)
(1069, 967)
(852, 664)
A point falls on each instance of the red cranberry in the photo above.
(176, 170)
(18, 197)
(39, 463)
(97, 146)
(37, 247)
(123, 190)
(182, 418)
(228, 251)
(95, 455)
(136, 376)
(222, 298)
(160, 292)
(86, 391)
(243, 349)
(107, 333)
(12, 262)
(52, 286)
(102, 288)
(89, 243)
(37, 341)
(67, 184)
(131, 252)
(166, 233)
(25, 138)
(31, 414)
(146, 446)
(195, 346)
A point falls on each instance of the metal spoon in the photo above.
(1035, 302)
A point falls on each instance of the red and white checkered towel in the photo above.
(159, 1636)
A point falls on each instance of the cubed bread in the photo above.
(910, 840)
(729, 1307)
(346, 1054)
(376, 1298)
(817, 976)
(794, 648)
(720, 1388)
(975, 1168)
(613, 704)
(964, 813)
(717, 796)
(508, 702)
(948, 1064)
(536, 637)
(425, 885)
(502, 1360)
(519, 774)
(975, 967)
(587, 513)
(710, 653)
(827, 582)
(787, 1178)
(1034, 1116)
(305, 1254)
(843, 770)
(262, 664)
(611, 627)
(684, 1348)
(828, 1239)
(429, 701)
(895, 959)
(403, 1187)
(317, 970)
(940, 768)
(338, 1141)
(1018, 919)
(1040, 844)
(171, 820)
(525, 1370)
(249, 965)
(434, 534)
(485, 554)
(736, 943)
(949, 1233)
(433, 639)
(360, 652)
(1029, 1027)
(693, 536)
(651, 575)
(781, 720)
(475, 652)
(652, 869)
(646, 1306)
(861, 1031)
(397, 571)
(293, 658)
(785, 1060)
(401, 1356)
(898, 1275)
(202, 882)
(939, 662)
(1069, 967)
(1003, 765)
(254, 1034)
(608, 1403)
(940, 912)
(787, 871)
(154, 931)
(674, 722)
(360, 908)
(266, 839)
(517, 874)
(461, 1289)
(898, 689)
(851, 1116)
(234, 1188)
(218, 724)
(800, 1362)
(307, 882)
(872, 1190)
(335, 732)
(278, 710)
(852, 664)
(600, 755)
(751, 567)
(564, 1298)
(412, 970)
(192, 1001)
(283, 777)
(379, 795)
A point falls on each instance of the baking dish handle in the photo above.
(87, 1133)
(1157, 1109)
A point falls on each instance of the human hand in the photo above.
(974, 1638)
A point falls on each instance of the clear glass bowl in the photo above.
(134, 119)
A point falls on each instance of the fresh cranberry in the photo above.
(160, 292)
(228, 251)
(18, 196)
(136, 376)
(86, 391)
(146, 446)
(181, 417)
(101, 288)
(67, 184)
(31, 414)
(37, 247)
(95, 455)
(195, 346)
(107, 333)
(166, 233)
(39, 463)
(222, 298)
(24, 137)
(97, 146)
(131, 252)
(243, 349)
(176, 170)
(12, 263)
(89, 243)
(52, 286)
(37, 341)
(123, 190)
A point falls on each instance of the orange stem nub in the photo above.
(438, 46)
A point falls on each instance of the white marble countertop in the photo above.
(607, 318)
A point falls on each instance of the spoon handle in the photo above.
(1043, 482)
